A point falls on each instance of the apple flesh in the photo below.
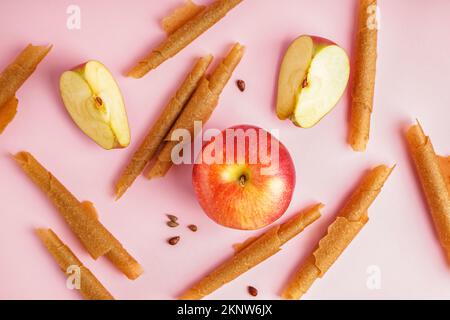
(313, 76)
(94, 101)
(240, 194)
(293, 71)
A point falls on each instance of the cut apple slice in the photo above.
(313, 76)
(323, 86)
(94, 101)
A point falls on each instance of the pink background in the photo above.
(412, 82)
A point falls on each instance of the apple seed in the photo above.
(174, 240)
(172, 224)
(305, 83)
(241, 85)
(192, 227)
(172, 217)
(99, 101)
(252, 291)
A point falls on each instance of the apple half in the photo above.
(94, 101)
(313, 76)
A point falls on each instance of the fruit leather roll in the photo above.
(156, 135)
(90, 287)
(183, 36)
(251, 253)
(200, 106)
(350, 220)
(14, 76)
(180, 16)
(81, 218)
(7, 113)
(445, 166)
(159, 168)
(432, 170)
(364, 79)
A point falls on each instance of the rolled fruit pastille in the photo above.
(14, 76)
(364, 79)
(7, 113)
(253, 252)
(156, 135)
(90, 286)
(199, 108)
(431, 170)
(81, 218)
(183, 36)
(180, 16)
(158, 169)
(350, 220)
(445, 166)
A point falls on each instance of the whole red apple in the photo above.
(244, 178)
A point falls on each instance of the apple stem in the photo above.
(242, 180)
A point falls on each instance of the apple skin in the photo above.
(252, 204)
